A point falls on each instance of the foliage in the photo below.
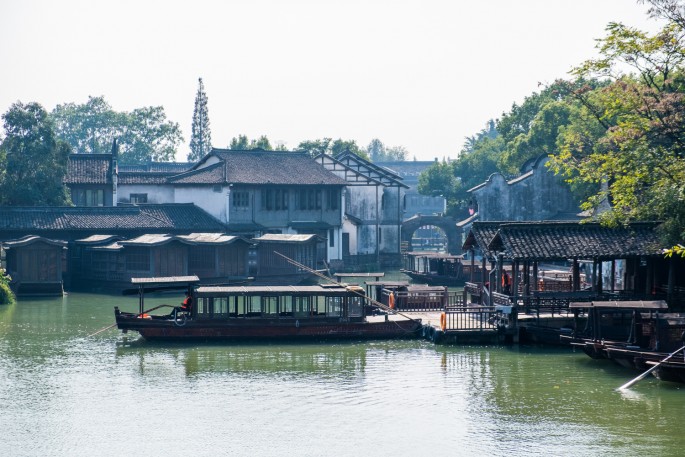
(242, 143)
(33, 161)
(6, 294)
(201, 136)
(439, 180)
(143, 135)
(331, 147)
(640, 158)
(377, 152)
(678, 249)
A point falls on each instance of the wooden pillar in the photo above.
(649, 283)
(526, 277)
(536, 285)
(576, 275)
(473, 264)
(515, 279)
(500, 270)
(594, 275)
(484, 271)
(671, 279)
(613, 275)
(600, 286)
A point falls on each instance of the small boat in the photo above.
(633, 334)
(434, 268)
(315, 312)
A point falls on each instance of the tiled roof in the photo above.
(30, 239)
(89, 169)
(480, 235)
(157, 167)
(566, 240)
(143, 177)
(179, 216)
(260, 167)
(212, 174)
(285, 238)
(152, 173)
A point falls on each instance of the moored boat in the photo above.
(434, 268)
(316, 312)
(637, 335)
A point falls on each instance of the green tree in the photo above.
(33, 162)
(201, 136)
(439, 180)
(143, 135)
(376, 150)
(641, 156)
(331, 147)
(243, 143)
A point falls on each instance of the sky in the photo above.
(421, 74)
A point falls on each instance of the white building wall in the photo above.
(213, 200)
(156, 193)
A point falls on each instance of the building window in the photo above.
(89, 197)
(137, 259)
(275, 199)
(138, 198)
(331, 238)
(201, 258)
(241, 199)
(333, 199)
(310, 199)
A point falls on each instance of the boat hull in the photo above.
(229, 330)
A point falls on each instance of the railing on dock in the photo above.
(422, 298)
(475, 318)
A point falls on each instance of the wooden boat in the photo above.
(316, 312)
(435, 268)
(635, 334)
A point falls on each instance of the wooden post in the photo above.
(515, 280)
(576, 275)
(500, 270)
(649, 283)
(535, 275)
(613, 275)
(473, 264)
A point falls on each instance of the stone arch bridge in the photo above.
(447, 224)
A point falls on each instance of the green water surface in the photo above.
(63, 393)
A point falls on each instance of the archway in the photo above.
(447, 224)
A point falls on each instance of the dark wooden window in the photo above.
(201, 258)
(241, 199)
(333, 196)
(138, 198)
(137, 259)
(331, 238)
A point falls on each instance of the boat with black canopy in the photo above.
(315, 312)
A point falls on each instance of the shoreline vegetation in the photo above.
(6, 295)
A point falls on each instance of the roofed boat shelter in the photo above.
(524, 246)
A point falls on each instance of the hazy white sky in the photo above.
(423, 74)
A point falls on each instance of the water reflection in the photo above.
(397, 398)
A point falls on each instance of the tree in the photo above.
(242, 143)
(143, 135)
(201, 136)
(330, 147)
(641, 155)
(439, 180)
(33, 162)
(376, 150)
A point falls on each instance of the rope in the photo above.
(114, 324)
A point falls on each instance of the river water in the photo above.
(63, 393)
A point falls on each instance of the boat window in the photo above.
(355, 306)
(286, 306)
(270, 306)
(302, 306)
(220, 308)
(334, 306)
(253, 306)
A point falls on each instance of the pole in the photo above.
(643, 375)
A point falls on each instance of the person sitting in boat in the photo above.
(187, 304)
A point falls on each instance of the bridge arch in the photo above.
(447, 224)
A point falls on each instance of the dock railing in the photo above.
(475, 318)
(426, 299)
